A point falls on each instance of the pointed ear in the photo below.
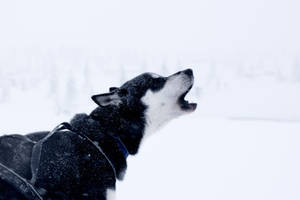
(107, 99)
(111, 89)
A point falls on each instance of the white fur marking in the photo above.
(162, 106)
(110, 194)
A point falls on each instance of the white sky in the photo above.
(211, 27)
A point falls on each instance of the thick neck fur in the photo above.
(105, 125)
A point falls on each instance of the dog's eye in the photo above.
(123, 92)
(158, 83)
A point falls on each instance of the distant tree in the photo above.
(297, 70)
(53, 81)
(144, 66)
(122, 74)
(212, 78)
(70, 94)
(164, 68)
(86, 79)
(3, 89)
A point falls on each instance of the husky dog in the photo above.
(84, 158)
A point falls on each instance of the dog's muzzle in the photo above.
(184, 104)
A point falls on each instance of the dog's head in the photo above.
(156, 98)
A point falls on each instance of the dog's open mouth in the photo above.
(184, 104)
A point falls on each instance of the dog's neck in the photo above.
(126, 125)
(116, 133)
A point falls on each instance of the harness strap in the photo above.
(20, 184)
(66, 125)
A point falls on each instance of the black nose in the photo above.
(188, 72)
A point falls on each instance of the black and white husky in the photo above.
(84, 158)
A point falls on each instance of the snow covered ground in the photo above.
(195, 157)
(200, 158)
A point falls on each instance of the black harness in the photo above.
(66, 125)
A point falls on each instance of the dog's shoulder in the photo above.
(37, 136)
(71, 163)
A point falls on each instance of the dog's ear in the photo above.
(112, 89)
(107, 99)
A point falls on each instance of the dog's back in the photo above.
(15, 151)
(60, 164)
